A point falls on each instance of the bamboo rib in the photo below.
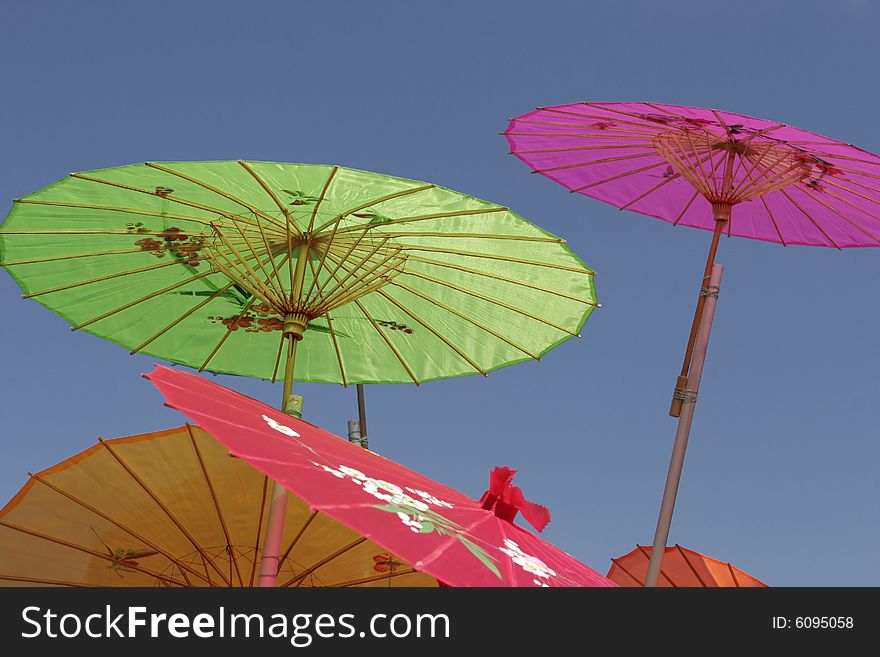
(578, 135)
(113, 208)
(175, 199)
(617, 563)
(582, 148)
(852, 205)
(497, 302)
(295, 540)
(183, 530)
(474, 236)
(424, 217)
(631, 172)
(278, 358)
(487, 256)
(685, 209)
(624, 131)
(378, 201)
(321, 199)
(324, 247)
(260, 523)
(650, 191)
(691, 566)
(308, 571)
(216, 502)
(235, 199)
(374, 578)
(226, 335)
(116, 523)
(96, 231)
(262, 183)
(821, 201)
(271, 258)
(437, 334)
(388, 342)
(362, 289)
(278, 292)
(603, 160)
(49, 582)
(34, 261)
(254, 280)
(152, 295)
(773, 219)
(325, 295)
(107, 277)
(324, 255)
(477, 272)
(809, 216)
(466, 318)
(81, 548)
(641, 123)
(336, 349)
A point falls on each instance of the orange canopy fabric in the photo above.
(173, 508)
(681, 568)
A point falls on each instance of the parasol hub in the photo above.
(295, 324)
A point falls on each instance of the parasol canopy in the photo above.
(675, 163)
(681, 567)
(372, 278)
(435, 529)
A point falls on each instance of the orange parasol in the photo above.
(681, 568)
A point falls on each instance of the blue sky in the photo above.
(780, 477)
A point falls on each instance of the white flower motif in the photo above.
(354, 474)
(281, 428)
(335, 473)
(412, 523)
(430, 499)
(543, 585)
(527, 562)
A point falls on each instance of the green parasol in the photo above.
(215, 264)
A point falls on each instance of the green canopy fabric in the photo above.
(386, 280)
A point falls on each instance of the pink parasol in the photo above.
(707, 169)
(439, 531)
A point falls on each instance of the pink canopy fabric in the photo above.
(673, 162)
(438, 530)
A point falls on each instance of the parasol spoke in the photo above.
(368, 204)
(483, 297)
(131, 565)
(227, 195)
(375, 578)
(167, 197)
(116, 523)
(217, 508)
(113, 208)
(582, 148)
(469, 320)
(295, 540)
(146, 297)
(604, 160)
(810, 217)
(321, 198)
(477, 272)
(336, 349)
(284, 210)
(164, 507)
(33, 261)
(415, 317)
(107, 277)
(840, 214)
(631, 172)
(229, 329)
(189, 312)
(390, 344)
(685, 208)
(322, 562)
(424, 217)
(500, 258)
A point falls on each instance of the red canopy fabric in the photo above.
(681, 568)
(435, 528)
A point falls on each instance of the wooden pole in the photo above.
(684, 426)
(722, 216)
(294, 327)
